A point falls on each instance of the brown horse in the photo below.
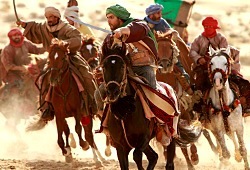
(169, 52)
(90, 51)
(66, 101)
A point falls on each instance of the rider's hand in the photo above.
(202, 61)
(22, 23)
(117, 33)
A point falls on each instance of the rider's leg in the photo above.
(45, 106)
(183, 78)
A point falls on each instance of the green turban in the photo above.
(118, 11)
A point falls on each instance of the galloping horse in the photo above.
(66, 101)
(169, 52)
(127, 124)
(224, 114)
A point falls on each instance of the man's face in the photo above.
(113, 21)
(16, 38)
(70, 21)
(156, 16)
(52, 20)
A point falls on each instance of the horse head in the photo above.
(90, 51)
(114, 69)
(219, 67)
(58, 63)
(167, 51)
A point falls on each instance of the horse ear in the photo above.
(228, 51)
(211, 50)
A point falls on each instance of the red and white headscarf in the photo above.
(15, 31)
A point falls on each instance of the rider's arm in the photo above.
(33, 49)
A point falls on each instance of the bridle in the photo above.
(172, 59)
(63, 69)
(122, 84)
(225, 73)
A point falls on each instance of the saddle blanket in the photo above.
(160, 103)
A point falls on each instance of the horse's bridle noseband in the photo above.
(225, 74)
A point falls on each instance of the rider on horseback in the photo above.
(44, 33)
(15, 56)
(199, 53)
(157, 23)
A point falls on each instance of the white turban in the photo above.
(52, 11)
(72, 12)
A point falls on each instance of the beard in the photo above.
(50, 23)
(115, 25)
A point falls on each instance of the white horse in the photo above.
(224, 109)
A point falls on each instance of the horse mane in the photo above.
(165, 35)
(113, 47)
(56, 43)
(88, 39)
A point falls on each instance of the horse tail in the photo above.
(35, 124)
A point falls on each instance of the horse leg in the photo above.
(194, 154)
(152, 157)
(170, 155)
(108, 147)
(243, 149)
(185, 153)
(78, 129)
(60, 124)
(137, 157)
(237, 155)
(221, 140)
(90, 139)
(208, 137)
(122, 155)
(68, 156)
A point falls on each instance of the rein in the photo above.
(64, 73)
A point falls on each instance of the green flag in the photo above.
(176, 12)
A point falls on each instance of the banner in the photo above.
(177, 13)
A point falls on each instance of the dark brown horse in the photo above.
(169, 52)
(67, 101)
(126, 121)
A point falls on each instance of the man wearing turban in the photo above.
(159, 24)
(72, 15)
(15, 56)
(154, 18)
(142, 48)
(43, 33)
(134, 31)
(199, 53)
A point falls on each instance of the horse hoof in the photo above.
(107, 152)
(72, 141)
(238, 157)
(195, 159)
(69, 158)
(84, 145)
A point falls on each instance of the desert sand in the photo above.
(39, 150)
